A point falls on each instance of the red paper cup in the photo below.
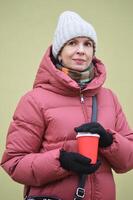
(88, 145)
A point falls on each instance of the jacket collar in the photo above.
(50, 78)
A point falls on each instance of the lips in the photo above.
(79, 61)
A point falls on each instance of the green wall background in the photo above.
(26, 30)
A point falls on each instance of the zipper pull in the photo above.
(82, 98)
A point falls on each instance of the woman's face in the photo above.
(77, 53)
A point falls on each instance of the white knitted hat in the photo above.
(71, 25)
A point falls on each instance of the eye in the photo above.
(89, 43)
(71, 43)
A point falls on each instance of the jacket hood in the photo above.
(50, 78)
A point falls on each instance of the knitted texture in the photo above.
(106, 139)
(71, 25)
(77, 163)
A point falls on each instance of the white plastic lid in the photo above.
(87, 134)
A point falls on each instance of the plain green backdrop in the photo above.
(26, 30)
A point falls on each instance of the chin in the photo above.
(80, 68)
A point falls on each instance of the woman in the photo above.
(41, 150)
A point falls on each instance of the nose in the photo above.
(80, 49)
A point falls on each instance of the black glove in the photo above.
(77, 163)
(106, 139)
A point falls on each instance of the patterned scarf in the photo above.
(82, 78)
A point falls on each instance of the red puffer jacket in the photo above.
(44, 122)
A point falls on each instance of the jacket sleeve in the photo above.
(22, 159)
(120, 153)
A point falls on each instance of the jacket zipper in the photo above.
(84, 109)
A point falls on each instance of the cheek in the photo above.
(65, 56)
(90, 54)
(89, 59)
(64, 59)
